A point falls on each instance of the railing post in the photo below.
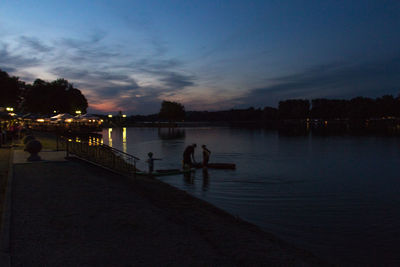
(67, 141)
(103, 155)
(134, 168)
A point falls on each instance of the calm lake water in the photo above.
(335, 196)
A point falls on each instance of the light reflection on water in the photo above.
(124, 147)
(336, 196)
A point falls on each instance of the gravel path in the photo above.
(75, 214)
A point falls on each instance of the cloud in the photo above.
(117, 91)
(141, 100)
(104, 72)
(71, 73)
(86, 51)
(335, 80)
(12, 60)
(34, 44)
(8, 69)
(177, 81)
(155, 66)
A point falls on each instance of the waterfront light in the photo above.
(124, 116)
(109, 115)
(40, 120)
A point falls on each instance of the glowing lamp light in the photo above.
(110, 116)
(12, 114)
(68, 120)
(124, 116)
(9, 109)
(40, 120)
(78, 112)
(54, 111)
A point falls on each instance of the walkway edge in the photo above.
(5, 255)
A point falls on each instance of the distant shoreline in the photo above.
(378, 126)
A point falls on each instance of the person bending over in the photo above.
(188, 156)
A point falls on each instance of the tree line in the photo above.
(61, 96)
(40, 97)
(359, 108)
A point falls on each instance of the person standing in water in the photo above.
(150, 162)
(188, 156)
(206, 155)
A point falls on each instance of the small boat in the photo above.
(166, 172)
(230, 166)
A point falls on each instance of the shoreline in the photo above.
(230, 240)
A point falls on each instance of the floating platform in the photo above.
(166, 172)
(226, 166)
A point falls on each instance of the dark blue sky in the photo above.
(208, 55)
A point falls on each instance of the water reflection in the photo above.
(94, 140)
(323, 194)
(188, 178)
(206, 180)
(171, 133)
(124, 139)
(110, 137)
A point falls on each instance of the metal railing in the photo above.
(103, 155)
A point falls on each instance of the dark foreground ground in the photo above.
(76, 214)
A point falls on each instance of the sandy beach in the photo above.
(72, 213)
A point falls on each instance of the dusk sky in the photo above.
(207, 55)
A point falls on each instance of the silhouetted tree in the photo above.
(172, 111)
(59, 95)
(361, 108)
(10, 90)
(294, 109)
(270, 113)
(329, 109)
(387, 106)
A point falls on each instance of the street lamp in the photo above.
(78, 112)
(110, 116)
